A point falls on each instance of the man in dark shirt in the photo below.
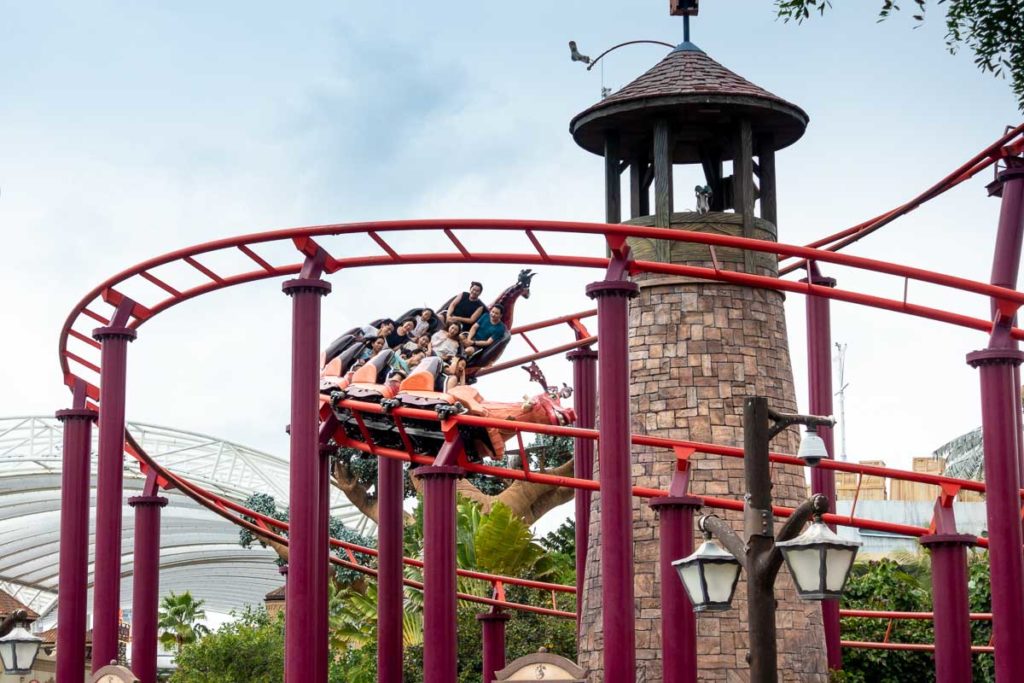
(489, 330)
(466, 308)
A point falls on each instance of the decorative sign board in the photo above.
(542, 666)
(113, 673)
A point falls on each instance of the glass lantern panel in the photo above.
(721, 577)
(837, 565)
(25, 653)
(690, 575)
(7, 655)
(805, 563)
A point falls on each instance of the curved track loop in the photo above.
(269, 530)
(110, 293)
(99, 304)
(1002, 148)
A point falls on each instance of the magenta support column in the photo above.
(617, 601)
(440, 599)
(819, 384)
(951, 603)
(678, 622)
(106, 596)
(1002, 504)
(493, 625)
(390, 591)
(1006, 256)
(323, 563)
(73, 579)
(305, 612)
(146, 581)
(584, 382)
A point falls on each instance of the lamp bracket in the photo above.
(783, 420)
(758, 521)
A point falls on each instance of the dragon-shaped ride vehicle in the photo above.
(429, 386)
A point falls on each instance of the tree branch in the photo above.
(347, 482)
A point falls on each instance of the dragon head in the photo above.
(547, 408)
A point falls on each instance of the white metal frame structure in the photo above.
(199, 550)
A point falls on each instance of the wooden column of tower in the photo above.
(699, 348)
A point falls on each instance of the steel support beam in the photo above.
(74, 539)
(390, 591)
(306, 612)
(617, 598)
(678, 622)
(146, 584)
(950, 601)
(584, 381)
(819, 385)
(440, 599)
(109, 486)
(493, 625)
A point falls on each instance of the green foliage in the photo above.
(990, 28)
(363, 467)
(265, 504)
(494, 542)
(979, 592)
(251, 649)
(338, 530)
(180, 621)
(904, 586)
(544, 453)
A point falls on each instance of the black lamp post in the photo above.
(819, 560)
(19, 647)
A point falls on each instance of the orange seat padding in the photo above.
(367, 374)
(418, 381)
(332, 369)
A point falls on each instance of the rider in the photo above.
(422, 322)
(488, 331)
(466, 308)
(373, 349)
(446, 342)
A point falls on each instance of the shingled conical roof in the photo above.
(701, 98)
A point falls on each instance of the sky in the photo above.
(130, 131)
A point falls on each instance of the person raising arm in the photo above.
(466, 308)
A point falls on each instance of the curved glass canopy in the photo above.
(199, 550)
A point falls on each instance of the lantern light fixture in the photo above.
(19, 648)
(819, 561)
(709, 574)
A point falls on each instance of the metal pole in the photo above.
(951, 604)
(106, 596)
(440, 602)
(493, 625)
(1000, 417)
(146, 585)
(757, 512)
(390, 591)
(678, 622)
(1006, 260)
(1002, 505)
(74, 541)
(323, 564)
(303, 613)
(617, 601)
(823, 481)
(584, 381)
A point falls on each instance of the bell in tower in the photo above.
(698, 348)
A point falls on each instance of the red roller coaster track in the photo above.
(78, 351)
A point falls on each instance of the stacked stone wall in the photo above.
(697, 350)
